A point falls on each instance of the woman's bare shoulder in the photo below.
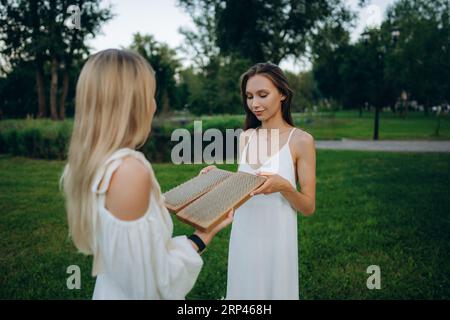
(301, 136)
(302, 141)
(128, 195)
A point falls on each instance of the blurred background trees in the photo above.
(406, 58)
(35, 39)
(409, 53)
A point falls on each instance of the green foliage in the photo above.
(420, 63)
(36, 138)
(377, 69)
(306, 94)
(18, 91)
(49, 139)
(229, 37)
(216, 90)
(262, 30)
(165, 63)
(34, 36)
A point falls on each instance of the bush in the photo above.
(35, 138)
(46, 139)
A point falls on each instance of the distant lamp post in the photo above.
(366, 36)
(404, 98)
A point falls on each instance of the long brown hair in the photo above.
(276, 75)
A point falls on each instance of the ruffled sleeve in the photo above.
(140, 259)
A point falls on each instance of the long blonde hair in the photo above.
(114, 108)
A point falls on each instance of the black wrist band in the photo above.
(199, 242)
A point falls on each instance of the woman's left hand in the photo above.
(274, 183)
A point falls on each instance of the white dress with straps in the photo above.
(139, 259)
(263, 252)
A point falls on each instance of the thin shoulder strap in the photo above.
(248, 142)
(244, 151)
(101, 181)
(290, 135)
(252, 135)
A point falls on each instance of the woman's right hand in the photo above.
(206, 169)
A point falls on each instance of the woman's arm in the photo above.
(305, 199)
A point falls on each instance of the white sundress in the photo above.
(139, 259)
(263, 250)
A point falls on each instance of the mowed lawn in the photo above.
(385, 209)
(348, 124)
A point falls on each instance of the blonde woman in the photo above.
(114, 205)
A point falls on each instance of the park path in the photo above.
(385, 145)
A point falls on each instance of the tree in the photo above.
(261, 30)
(379, 68)
(73, 47)
(420, 63)
(22, 40)
(214, 89)
(336, 64)
(201, 44)
(35, 31)
(305, 90)
(166, 65)
(191, 93)
(17, 91)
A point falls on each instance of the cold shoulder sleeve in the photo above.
(140, 259)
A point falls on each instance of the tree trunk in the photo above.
(39, 60)
(40, 89)
(65, 85)
(376, 123)
(65, 89)
(438, 126)
(406, 107)
(165, 102)
(54, 90)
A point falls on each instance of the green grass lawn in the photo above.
(385, 209)
(348, 124)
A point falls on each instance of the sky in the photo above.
(162, 19)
